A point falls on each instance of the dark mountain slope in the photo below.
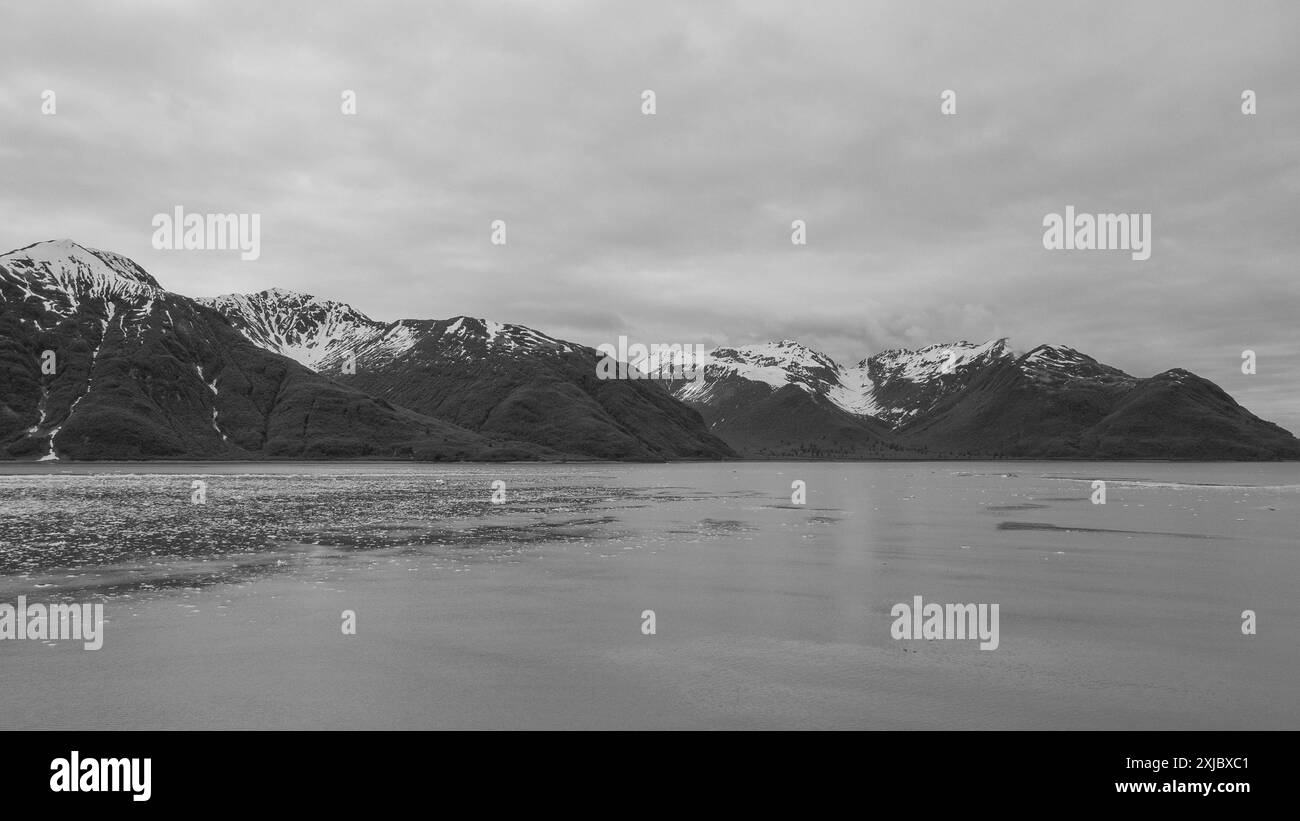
(1180, 415)
(143, 374)
(1056, 402)
(758, 420)
(512, 381)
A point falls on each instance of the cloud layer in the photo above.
(675, 227)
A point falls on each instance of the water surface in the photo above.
(768, 613)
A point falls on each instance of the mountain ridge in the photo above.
(783, 398)
(97, 361)
(495, 383)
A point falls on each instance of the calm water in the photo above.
(768, 614)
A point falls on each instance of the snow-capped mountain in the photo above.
(494, 378)
(45, 289)
(97, 361)
(784, 398)
(61, 274)
(1058, 402)
(892, 386)
(299, 326)
(775, 364)
(467, 336)
(965, 399)
(323, 334)
(902, 384)
(1051, 364)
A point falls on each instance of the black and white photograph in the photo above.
(673, 366)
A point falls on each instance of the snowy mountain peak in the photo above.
(778, 364)
(277, 297)
(62, 273)
(501, 336)
(786, 354)
(904, 383)
(323, 334)
(932, 360)
(1053, 363)
(893, 385)
(297, 325)
(1056, 353)
(774, 363)
(1054, 358)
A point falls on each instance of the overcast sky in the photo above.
(922, 228)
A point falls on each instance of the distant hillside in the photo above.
(972, 401)
(146, 374)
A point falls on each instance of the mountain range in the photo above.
(98, 361)
(969, 400)
(505, 381)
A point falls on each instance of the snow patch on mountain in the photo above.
(322, 334)
(62, 274)
(775, 364)
(1050, 364)
(892, 386)
(855, 393)
(212, 386)
(474, 335)
(394, 341)
(928, 363)
(299, 326)
(507, 337)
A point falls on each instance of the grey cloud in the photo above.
(922, 228)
